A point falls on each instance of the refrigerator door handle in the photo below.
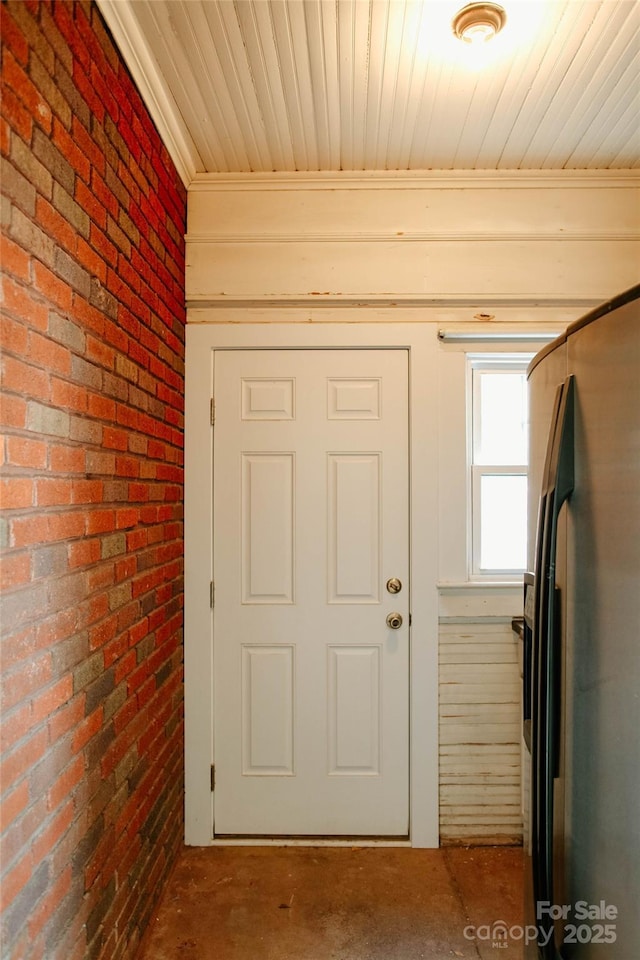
(538, 645)
(557, 488)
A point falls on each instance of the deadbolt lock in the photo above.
(394, 585)
(394, 620)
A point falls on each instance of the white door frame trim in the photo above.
(421, 342)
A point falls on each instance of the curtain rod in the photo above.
(468, 336)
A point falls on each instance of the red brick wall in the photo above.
(93, 218)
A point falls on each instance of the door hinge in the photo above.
(213, 777)
(212, 594)
(212, 411)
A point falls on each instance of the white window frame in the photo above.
(479, 363)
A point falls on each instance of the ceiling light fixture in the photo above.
(478, 22)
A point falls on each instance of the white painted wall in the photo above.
(431, 251)
(479, 732)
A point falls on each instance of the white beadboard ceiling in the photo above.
(263, 86)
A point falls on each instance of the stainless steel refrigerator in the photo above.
(581, 683)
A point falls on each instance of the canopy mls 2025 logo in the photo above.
(584, 923)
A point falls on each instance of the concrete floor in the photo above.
(339, 903)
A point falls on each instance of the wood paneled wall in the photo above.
(480, 776)
(446, 242)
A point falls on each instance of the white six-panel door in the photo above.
(310, 522)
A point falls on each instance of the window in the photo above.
(498, 456)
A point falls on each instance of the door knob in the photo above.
(394, 620)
